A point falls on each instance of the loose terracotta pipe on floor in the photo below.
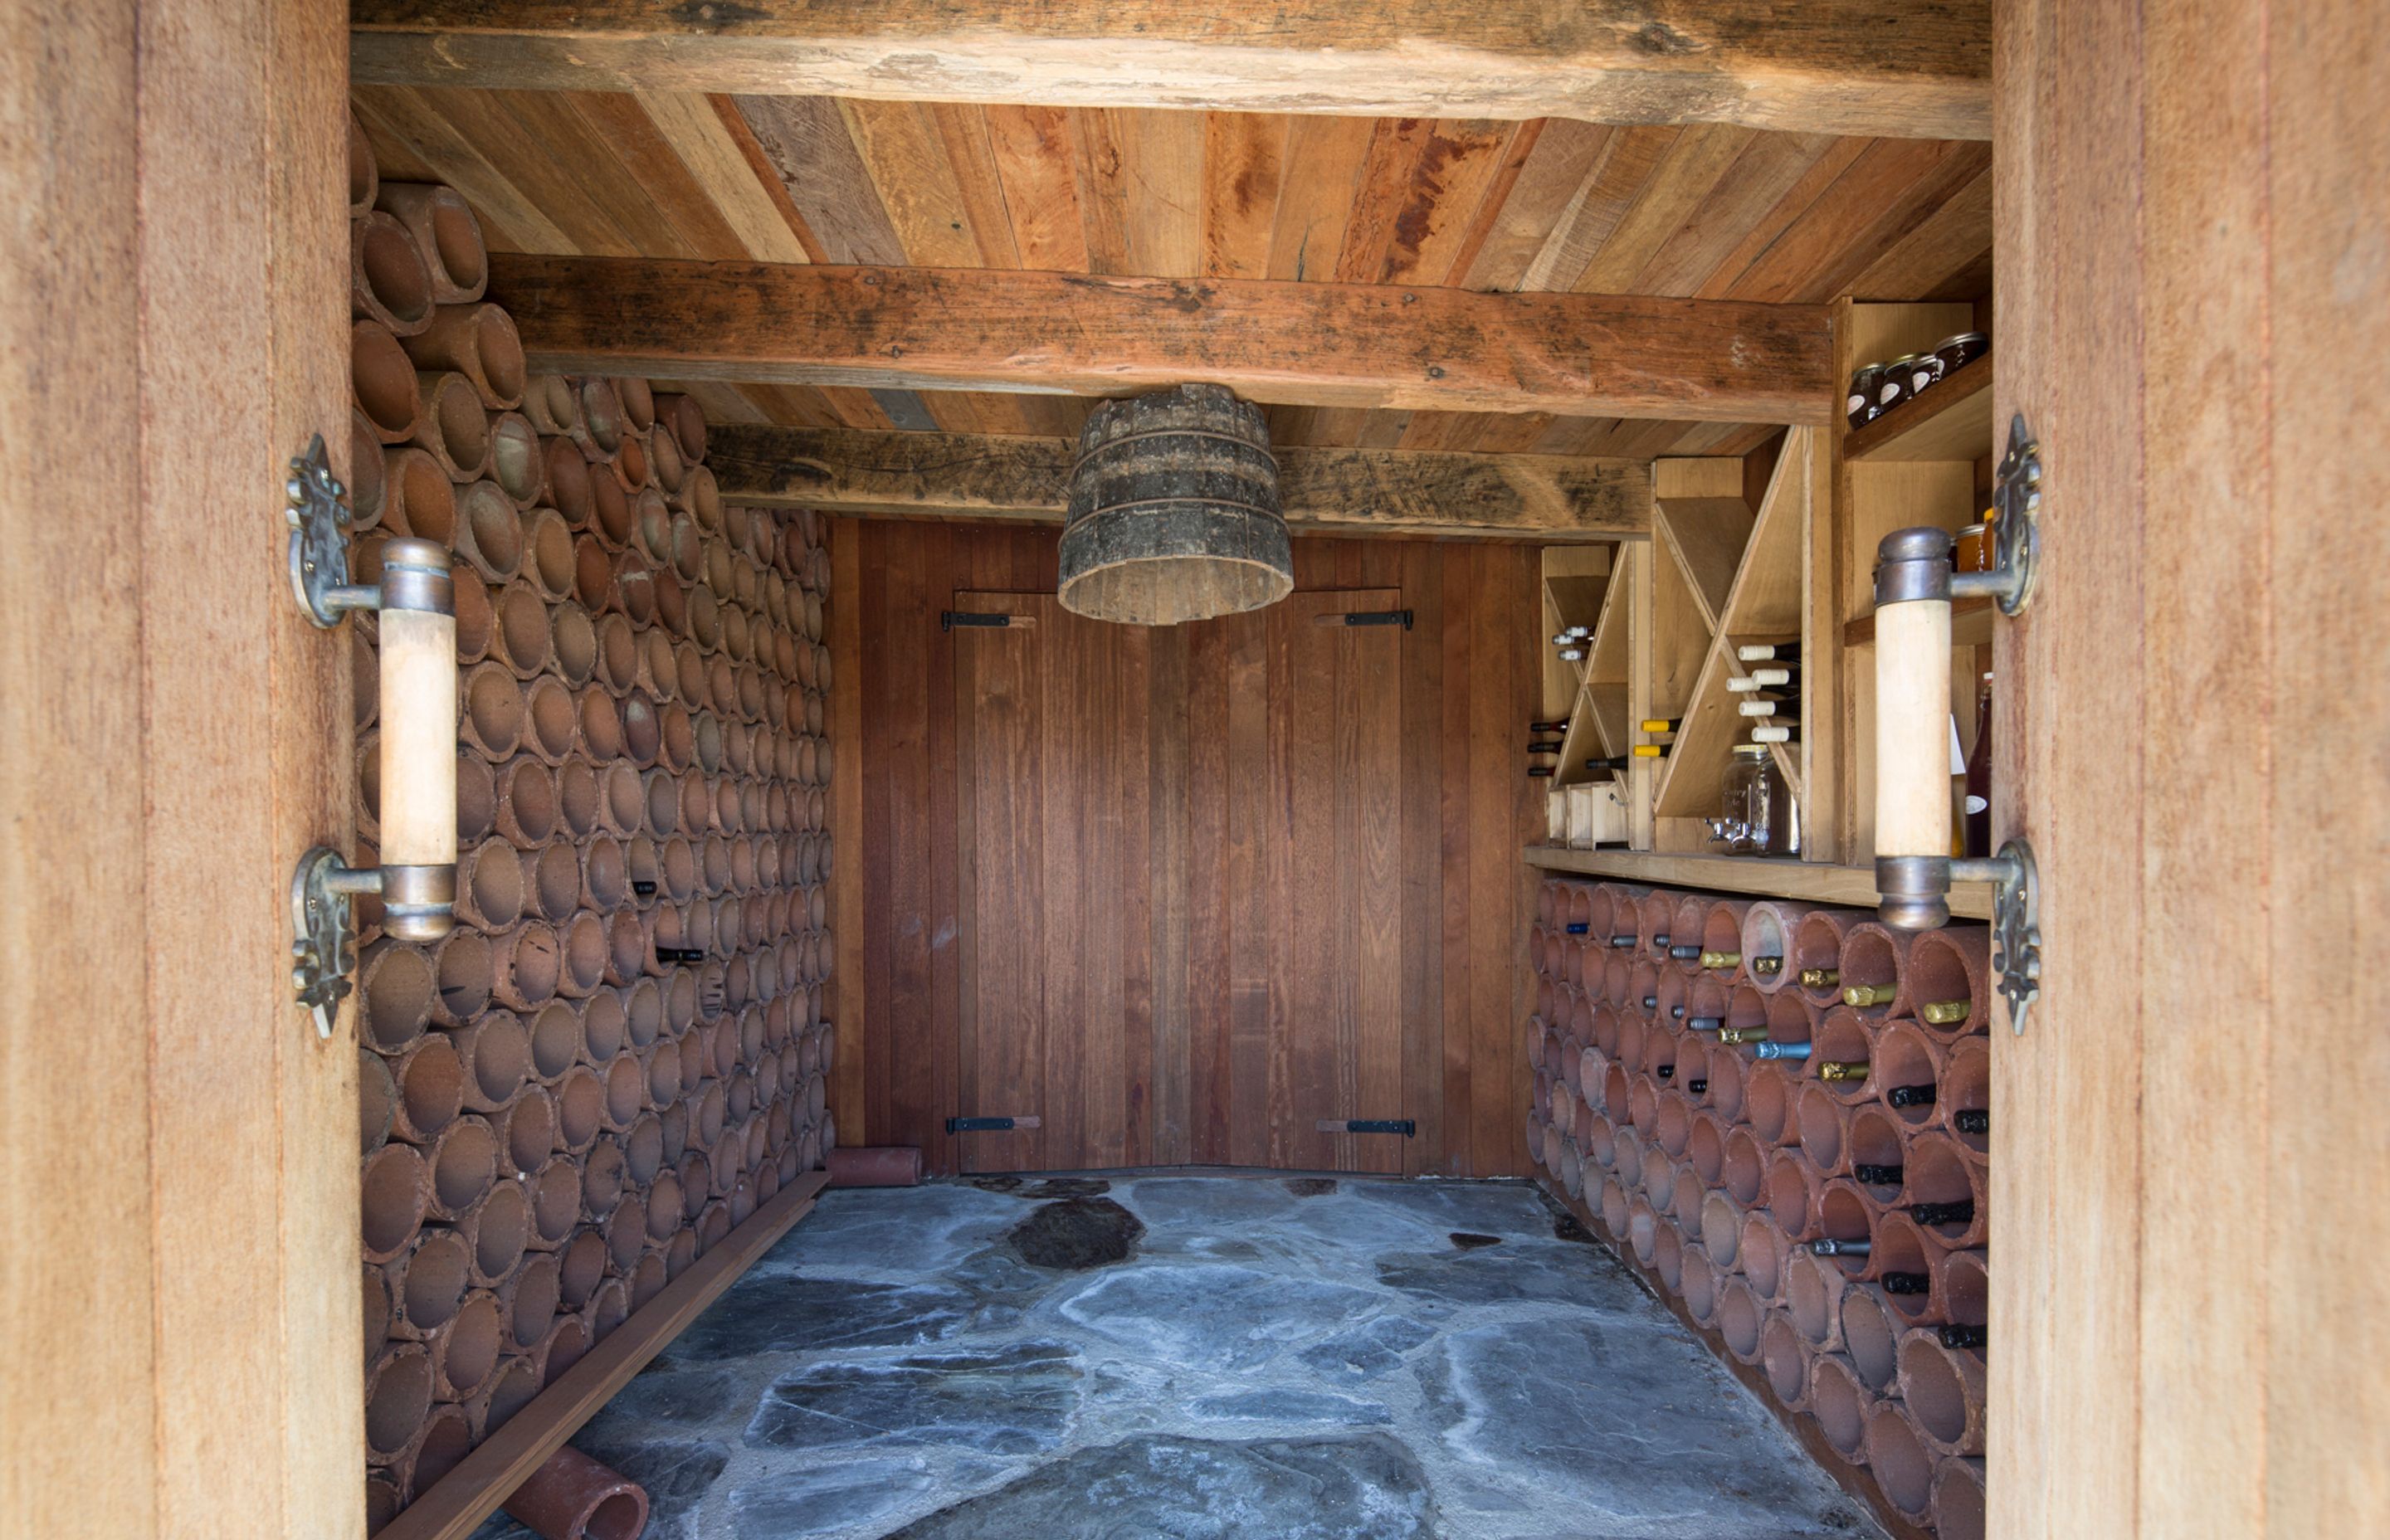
(443, 226)
(1942, 1388)
(383, 382)
(387, 283)
(573, 1498)
(365, 173)
(1898, 1459)
(1784, 1358)
(454, 426)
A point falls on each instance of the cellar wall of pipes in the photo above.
(1781, 1113)
(621, 1050)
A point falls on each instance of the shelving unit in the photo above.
(1808, 881)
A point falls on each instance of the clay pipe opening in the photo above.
(1817, 960)
(365, 173)
(1950, 980)
(383, 382)
(1767, 943)
(573, 1498)
(388, 282)
(445, 233)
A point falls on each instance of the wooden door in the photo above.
(1330, 834)
(2191, 1312)
(1057, 1017)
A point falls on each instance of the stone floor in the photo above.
(1198, 1357)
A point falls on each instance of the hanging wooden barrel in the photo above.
(1174, 513)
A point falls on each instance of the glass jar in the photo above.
(1757, 815)
(1957, 353)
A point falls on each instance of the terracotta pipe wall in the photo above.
(388, 282)
(445, 233)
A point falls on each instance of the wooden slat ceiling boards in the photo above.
(1708, 210)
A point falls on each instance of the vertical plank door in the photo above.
(2189, 1316)
(1052, 735)
(1330, 834)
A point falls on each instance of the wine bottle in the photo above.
(1743, 1035)
(1742, 683)
(1769, 652)
(1544, 747)
(1659, 724)
(1911, 1096)
(1665, 1070)
(1770, 678)
(1623, 942)
(1906, 1283)
(1613, 762)
(1971, 1122)
(1541, 772)
(1577, 927)
(1876, 1175)
(1946, 1013)
(1785, 1050)
(1572, 655)
(1964, 1337)
(1697, 1086)
(1684, 954)
(1762, 708)
(1721, 959)
(1864, 996)
(1979, 776)
(1832, 1248)
(1649, 750)
(1560, 726)
(1704, 1024)
(1961, 1213)
(1766, 733)
(1847, 1071)
(1650, 1002)
(1767, 968)
(1819, 978)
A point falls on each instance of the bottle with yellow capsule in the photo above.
(1847, 1071)
(1946, 1013)
(1721, 959)
(1864, 996)
(1754, 1035)
(1820, 977)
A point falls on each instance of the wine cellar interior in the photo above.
(1081, 770)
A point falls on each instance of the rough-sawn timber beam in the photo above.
(1909, 69)
(1544, 497)
(1310, 344)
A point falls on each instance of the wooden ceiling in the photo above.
(1703, 210)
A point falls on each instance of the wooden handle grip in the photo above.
(1913, 733)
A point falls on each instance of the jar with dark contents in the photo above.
(1956, 353)
(1895, 387)
(1925, 373)
(1860, 405)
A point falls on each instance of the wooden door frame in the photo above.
(180, 1339)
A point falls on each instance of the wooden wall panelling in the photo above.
(172, 282)
(847, 979)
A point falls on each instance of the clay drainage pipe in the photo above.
(1769, 925)
(573, 1497)
(445, 232)
(382, 383)
(455, 427)
(387, 282)
(478, 341)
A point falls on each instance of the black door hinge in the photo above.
(1407, 1127)
(1379, 617)
(949, 619)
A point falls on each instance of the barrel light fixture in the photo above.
(1914, 585)
(1173, 511)
(416, 600)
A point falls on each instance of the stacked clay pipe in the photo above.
(620, 1051)
(1823, 1209)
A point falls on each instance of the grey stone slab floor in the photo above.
(1199, 1357)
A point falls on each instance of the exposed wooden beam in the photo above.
(1910, 69)
(1312, 344)
(1345, 491)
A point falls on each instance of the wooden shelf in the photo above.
(1806, 881)
(1951, 421)
(1970, 626)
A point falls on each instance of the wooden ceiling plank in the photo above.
(1314, 205)
(962, 128)
(1903, 68)
(811, 149)
(1342, 344)
(521, 148)
(1166, 192)
(1945, 247)
(854, 407)
(1629, 157)
(1379, 196)
(1355, 491)
(1550, 174)
(508, 216)
(1458, 162)
(905, 157)
(1769, 168)
(1037, 161)
(1694, 165)
(1480, 224)
(1101, 142)
(665, 185)
(1245, 157)
(1862, 246)
(1791, 207)
(716, 164)
(1880, 177)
